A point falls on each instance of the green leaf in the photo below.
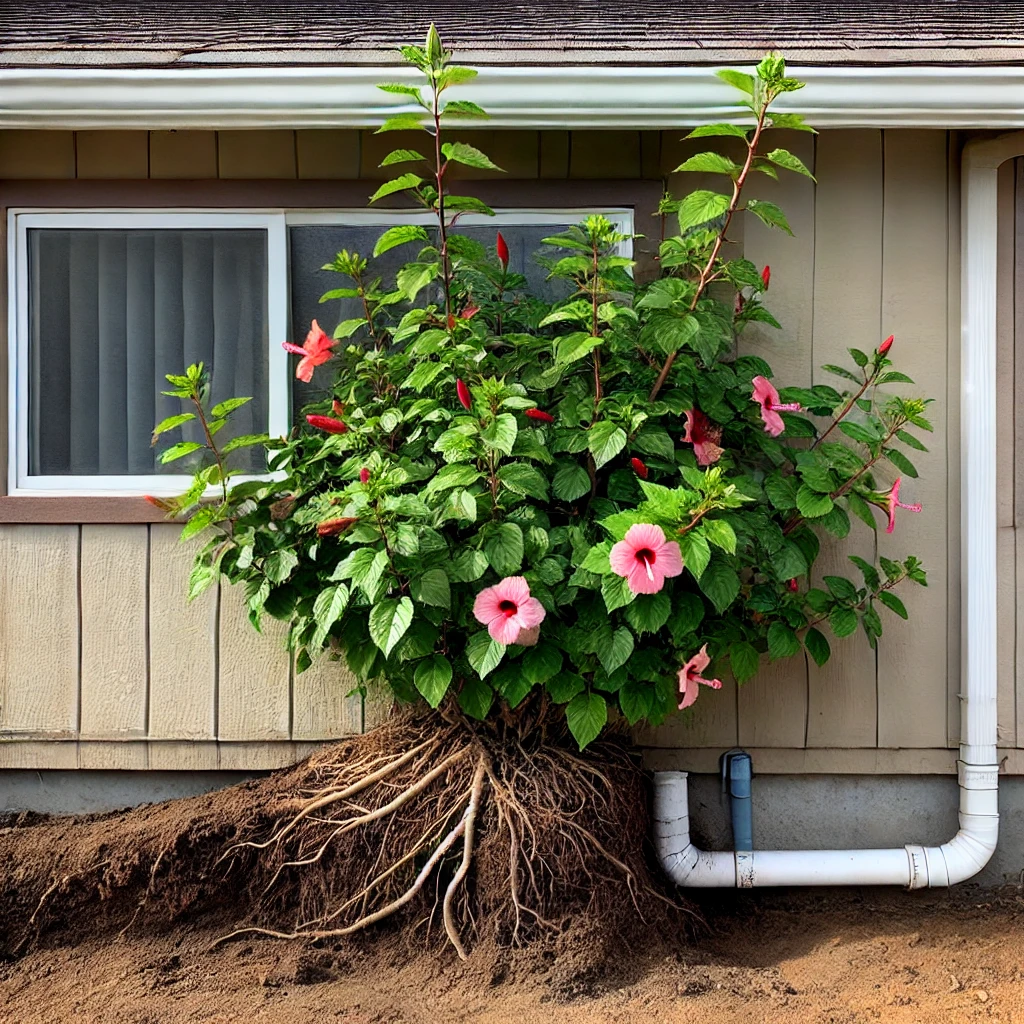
(402, 183)
(817, 646)
(402, 123)
(616, 593)
(811, 504)
(613, 650)
(783, 158)
(329, 606)
(399, 235)
(467, 567)
(586, 715)
(744, 660)
(769, 214)
(470, 156)
(432, 588)
(179, 451)
(911, 441)
(781, 491)
(483, 653)
(695, 551)
(401, 156)
(859, 357)
(597, 559)
(720, 533)
(228, 406)
(710, 163)
(432, 678)
(711, 130)
(349, 327)
(278, 565)
(687, 615)
(871, 579)
(895, 377)
(570, 483)
(500, 434)
(575, 346)
(244, 441)
(700, 207)
(463, 108)
(564, 686)
(636, 700)
(649, 612)
(605, 440)
(524, 479)
(840, 588)
(720, 583)
(782, 641)
(893, 603)
(541, 663)
(901, 462)
(475, 698)
(843, 621)
(200, 578)
(389, 619)
(174, 421)
(397, 89)
(504, 549)
(737, 79)
(414, 277)
(862, 510)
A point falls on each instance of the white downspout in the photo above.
(977, 769)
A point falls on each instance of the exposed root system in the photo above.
(451, 829)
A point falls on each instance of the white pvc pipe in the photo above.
(977, 769)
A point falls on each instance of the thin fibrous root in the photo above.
(378, 915)
(469, 821)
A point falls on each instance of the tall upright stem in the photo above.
(594, 285)
(707, 275)
(442, 228)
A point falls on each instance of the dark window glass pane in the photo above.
(110, 312)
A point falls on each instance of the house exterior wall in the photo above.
(103, 665)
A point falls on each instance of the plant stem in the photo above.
(594, 285)
(862, 604)
(849, 405)
(707, 275)
(210, 444)
(439, 169)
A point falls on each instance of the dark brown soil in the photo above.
(827, 958)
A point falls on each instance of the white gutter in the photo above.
(516, 97)
(978, 769)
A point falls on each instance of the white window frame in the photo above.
(276, 223)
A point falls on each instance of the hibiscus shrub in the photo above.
(599, 503)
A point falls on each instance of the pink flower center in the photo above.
(508, 608)
(645, 556)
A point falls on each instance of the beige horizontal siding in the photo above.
(110, 671)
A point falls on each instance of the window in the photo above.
(105, 303)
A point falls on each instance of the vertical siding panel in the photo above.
(39, 652)
(1006, 553)
(1018, 339)
(114, 564)
(253, 691)
(182, 645)
(605, 154)
(257, 153)
(842, 697)
(320, 708)
(327, 153)
(517, 153)
(709, 723)
(773, 705)
(183, 154)
(32, 154)
(912, 669)
(112, 154)
(554, 154)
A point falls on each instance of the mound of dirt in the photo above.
(421, 832)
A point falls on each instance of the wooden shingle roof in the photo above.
(245, 32)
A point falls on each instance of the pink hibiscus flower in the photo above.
(644, 557)
(690, 676)
(893, 502)
(509, 613)
(315, 351)
(768, 398)
(703, 436)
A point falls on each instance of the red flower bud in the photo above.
(463, 393)
(886, 345)
(540, 414)
(469, 312)
(338, 408)
(451, 321)
(327, 423)
(164, 506)
(332, 527)
(364, 475)
(639, 467)
(792, 584)
(766, 276)
(502, 247)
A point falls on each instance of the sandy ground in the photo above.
(833, 958)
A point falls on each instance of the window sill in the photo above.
(74, 510)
